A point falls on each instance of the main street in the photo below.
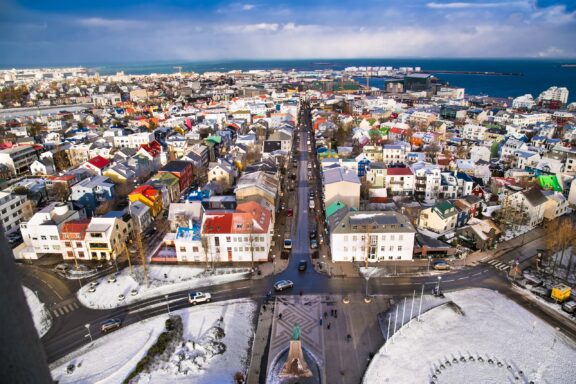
(69, 332)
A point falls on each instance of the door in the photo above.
(229, 254)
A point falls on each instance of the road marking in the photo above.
(75, 305)
(65, 309)
(224, 290)
(476, 274)
(461, 278)
(55, 312)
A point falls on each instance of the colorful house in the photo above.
(148, 195)
(183, 170)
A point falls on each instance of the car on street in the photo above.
(283, 207)
(289, 212)
(441, 266)
(283, 284)
(320, 239)
(134, 292)
(302, 265)
(110, 325)
(313, 235)
(313, 244)
(121, 297)
(92, 289)
(311, 204)
(287, 243)
(199, 297)
(112, 278)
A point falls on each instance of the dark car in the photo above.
(313, 235)
(302, 265)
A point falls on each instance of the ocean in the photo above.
(536, 74)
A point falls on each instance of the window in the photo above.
(345, 237)
(228, 239)
(345, 249)
(68, 244)
(182, 249)
(400, 237)
(235, 249)
(81, 254)
(43, 238)
(56, 247)
(383, 237)
(96, 234)
(354, 238)
(46, 247)
(391, 237)
(78, 244)
(382, 249)
(391, 248)
(399, 248)
(53, 237)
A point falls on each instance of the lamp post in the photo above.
(273, 264)
(167, 304)
(87, 325)
(438, 286)
(429, 261)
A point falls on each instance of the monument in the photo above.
(295, 365)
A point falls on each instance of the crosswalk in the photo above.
(499, 265)
(64, 309)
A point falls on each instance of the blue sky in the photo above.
(76, 32)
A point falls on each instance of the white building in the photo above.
(473, 132)
(343, 185)
(523, 102)
(13, 209)
(555, 93)
(427, 183)
(395, 153)
(41, 234)
(375, 236)
(134, 140)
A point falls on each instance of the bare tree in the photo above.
(559, 237)
(61, 191)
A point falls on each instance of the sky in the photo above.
(129, 31)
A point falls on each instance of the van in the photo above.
(569, 306)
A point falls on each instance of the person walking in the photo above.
(328, 326)
(320, 320)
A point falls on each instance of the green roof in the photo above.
(334, 207)
(166, 178)
(550, 182)
(214, 139)
(443, 206)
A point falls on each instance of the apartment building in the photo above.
(18, 159)
(372, 235)
(134, 140)
(13, 209)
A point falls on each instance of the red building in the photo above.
(183, 170)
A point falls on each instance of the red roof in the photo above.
(220, 223)
(146, 190)
(74, 227)
(99, 162)
(62, 178)
(399, 172)
(154, 148)
(397, 130)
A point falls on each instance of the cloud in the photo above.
(98, 22)
(552, 52)
(248, 7)
(465, 5)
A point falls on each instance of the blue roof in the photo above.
(198, 195)
(463, 176)
(189, 233)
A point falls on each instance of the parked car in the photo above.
(121, 297)
(290, 212)
(441, 266)
(110, 325)
(283, 284)
(313, 235)
(134, 292)
(569, 306)
(302, 265)
(320, 239)
(112, 278)
(287, 243)
(199, 297)
(62, 268)
(313, 244)
(311, 204)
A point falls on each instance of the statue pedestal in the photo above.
(295, 363)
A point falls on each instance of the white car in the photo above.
(287, 243)
(112, 278)
(199, 297)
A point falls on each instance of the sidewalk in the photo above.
(260, 344)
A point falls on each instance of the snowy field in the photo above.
(484, 338)
(111, 358)
(162, 279)
(41, 316)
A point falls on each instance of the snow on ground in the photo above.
(490, 327)
(111, 358)
(196, 360)
(41, 316)
(515, 232)
(162, 279)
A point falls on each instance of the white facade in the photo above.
(473, 132)
(427, 183)
(134, 140)
(376, 236)
(13, 210)
(525, 101)
(555, 93)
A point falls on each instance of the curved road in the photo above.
(69, 332)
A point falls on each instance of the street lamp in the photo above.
(87, 325)
(438, 287)
(273, 264)
(429, 261)
(167, 304)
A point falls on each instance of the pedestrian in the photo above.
(320, 320)
(328, 326)
(336, 313)
(264, 308)
(348, 337)
(280, 316)
(325, 315)
(193, 345)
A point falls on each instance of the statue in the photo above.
(296, 332)
(295, 365)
